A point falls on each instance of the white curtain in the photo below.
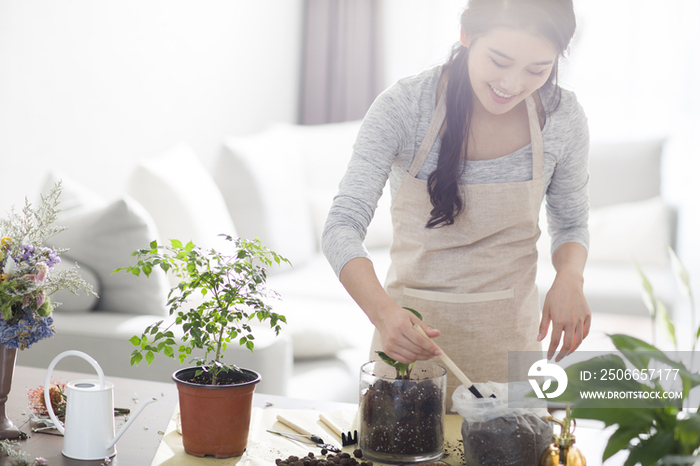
(342, 67)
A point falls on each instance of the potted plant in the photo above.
(664, 430)
(215, 397)
(402, 410)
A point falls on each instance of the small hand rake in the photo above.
(347, 439)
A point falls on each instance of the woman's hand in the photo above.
(400, 340)
(565, 306)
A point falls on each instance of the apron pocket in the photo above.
(459, 298)
(477, 329)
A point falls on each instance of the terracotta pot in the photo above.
(7, 370)
(215, 418)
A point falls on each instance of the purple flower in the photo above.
(53, 258)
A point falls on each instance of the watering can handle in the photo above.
(47, 382)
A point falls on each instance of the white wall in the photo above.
(634, 64)
(89, 87)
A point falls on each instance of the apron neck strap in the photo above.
(430, 136)
(535, 138)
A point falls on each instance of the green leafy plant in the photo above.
(234, 294)
(403, 371)
(669, 426)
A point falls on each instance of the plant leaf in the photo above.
(647, 292)
(651, 450)
(620, 439)
(666, 319)
(416, 313)
(688, 431)
(136, 358)
(680, 272)
(387, 359)
(631, 348)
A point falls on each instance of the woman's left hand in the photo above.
(565, 306)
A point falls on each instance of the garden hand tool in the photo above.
(453, 367)
(347, 439)
(303, 435)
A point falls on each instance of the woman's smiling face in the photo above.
(506, 65)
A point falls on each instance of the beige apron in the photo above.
(473, 280)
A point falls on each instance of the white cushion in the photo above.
(323, 320)
(81, 302)
(103, 240)
(75, 198)
(631, 231)
(624, 171)
(265, 188)
(325, 151)
(181, 197)
(624, 233)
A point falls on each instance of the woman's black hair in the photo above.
(552, 19)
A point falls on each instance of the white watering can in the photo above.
(89, 428)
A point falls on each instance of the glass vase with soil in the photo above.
(402, 420)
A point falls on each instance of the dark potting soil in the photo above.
(515, 440)
(224, 378)
(402, 417)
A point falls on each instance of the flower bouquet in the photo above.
(27, 276)
(27, 280)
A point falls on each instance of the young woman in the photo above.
(471, 148)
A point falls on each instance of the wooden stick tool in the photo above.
(453, 367)
(312, 438)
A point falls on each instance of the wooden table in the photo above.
(136, 447)
(139, 444)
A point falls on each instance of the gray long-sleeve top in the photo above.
(390, 135)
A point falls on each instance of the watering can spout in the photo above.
(132, 418)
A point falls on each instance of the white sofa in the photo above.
(278, 185)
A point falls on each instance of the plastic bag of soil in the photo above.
(496, 434)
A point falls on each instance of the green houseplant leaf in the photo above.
(667, 427)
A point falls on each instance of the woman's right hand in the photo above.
(400, 340)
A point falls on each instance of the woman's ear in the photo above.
(464, 39)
